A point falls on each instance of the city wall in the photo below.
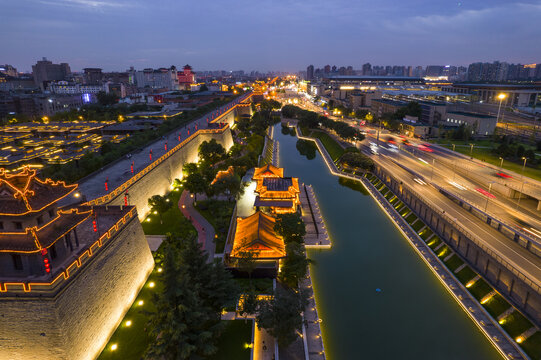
(525, 294)
(158, 177)
(76, 321)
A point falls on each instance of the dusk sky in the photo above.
(264, 35)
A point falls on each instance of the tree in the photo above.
(105, 99)
(247, 262)
(357, 160)
(291, 227)
(195, 183)
(186, 323)
(281, 316)
(231, 185)
(294, 266)
(249, 303)
(211, 151)
(203, 87)
(160, 204)
(189, 168)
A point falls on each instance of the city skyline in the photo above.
(421, 33)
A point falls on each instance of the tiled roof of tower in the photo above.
(23, 192)
(256, 233)
(34, 239)
(268, 171)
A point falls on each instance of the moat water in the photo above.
(412, 316)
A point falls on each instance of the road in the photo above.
(523, 260)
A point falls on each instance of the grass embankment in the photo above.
(218, 213)
(131, 339)
(333, 148)
(174, 221)
(514, 324)
(482, 150)
(234, 340)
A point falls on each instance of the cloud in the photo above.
(88, 4)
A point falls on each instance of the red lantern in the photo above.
(150, 155)
(46, 263)
(132, 167)
(126, 199)
(94, 225)
(166, 146)
(179, 137)
(106, 185)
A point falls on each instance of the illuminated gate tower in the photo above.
(67, 275)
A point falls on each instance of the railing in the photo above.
(121, 188)
(76, 264)
(534, 284)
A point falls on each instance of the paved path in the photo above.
(263, 345)
(119, 172)
(204, 228)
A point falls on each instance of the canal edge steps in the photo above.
(428, 256)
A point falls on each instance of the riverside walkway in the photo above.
(488, 326)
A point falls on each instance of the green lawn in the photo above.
(411, 218)
(480, 289)
(173, 220)
(234, 340)
(454, 262)
(532, 346)
(418, 225)
(218, 214)
(426, 233)
(333, 148)
(496, 305)
(434, 242)
(405, 211)
(443, 252)
(515, 324)
(132, 340)
(485, 154)
(465, 275)
(352, 184)
(261, 285)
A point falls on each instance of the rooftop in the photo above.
(256, 233)
(470, 114)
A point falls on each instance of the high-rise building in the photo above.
(45, 71)
(367, 69)
(310, 72)
(157, 79)
(434, 71)
(327, 69)
(92, 76)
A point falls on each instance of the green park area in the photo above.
(333, 148)
(218, 213)
(484, 150)
(170, 220)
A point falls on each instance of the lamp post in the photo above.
(488, 194)
(453, 147)
(501, 97)
(501, 162)
(471, 150)
(522, 178)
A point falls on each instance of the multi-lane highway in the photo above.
(523, 260)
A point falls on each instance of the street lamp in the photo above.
(453, 147)
(488, 194)
(522, 178)
(500, 97)
(501, 162)
(471, 150)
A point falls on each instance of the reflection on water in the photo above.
(412, 316)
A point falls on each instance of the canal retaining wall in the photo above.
(522, 291)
